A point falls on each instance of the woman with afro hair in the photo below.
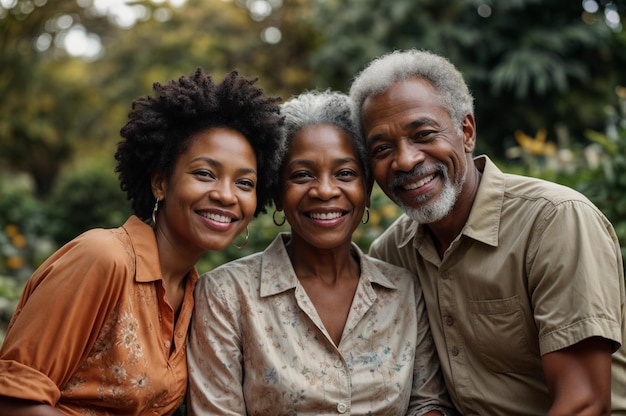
(102, 324)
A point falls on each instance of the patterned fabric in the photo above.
(536, 268)
(258, 347)
(93, 331)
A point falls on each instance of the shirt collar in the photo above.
(278, 275)
(483, 223)
(145, 249)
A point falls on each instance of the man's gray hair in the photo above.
(386, 70)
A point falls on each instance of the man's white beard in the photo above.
(440, 207)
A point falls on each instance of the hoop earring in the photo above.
(245, 241)
(367, 216)
(154, 212)
(276, 222)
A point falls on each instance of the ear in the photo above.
(158, 185)
(278, 204)
(468, 128)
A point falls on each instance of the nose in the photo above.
(223, 192)
(407, 156)
(326, 188)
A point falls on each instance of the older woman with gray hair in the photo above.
(312, 325)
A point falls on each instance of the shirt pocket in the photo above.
(504, 338)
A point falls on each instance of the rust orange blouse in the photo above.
(94, 334)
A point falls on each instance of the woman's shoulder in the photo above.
(239, 269)
(249, 266)
(92, 255)
(100, 244)
(95, 261)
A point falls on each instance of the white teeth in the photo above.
(326, 215)
(417, 184)
(215, 217)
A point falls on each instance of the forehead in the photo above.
(402, 101)
(322, 140)
(225, 145)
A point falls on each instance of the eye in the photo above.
(204, 174)
(424, 136)
(246, 184)
(301, 176)
(347, 174)
(380, 151)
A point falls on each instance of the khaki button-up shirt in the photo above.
(536, 268)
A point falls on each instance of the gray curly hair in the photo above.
(320, 107)
(388, 69)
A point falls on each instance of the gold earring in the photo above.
(367, 216)
(276, 222)
(245, 241)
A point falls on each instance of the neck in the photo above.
(449, 227)
(175, 263)
(330, 265)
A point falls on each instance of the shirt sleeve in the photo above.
(429, 391)
(60, 313)
(575, 277)
(214, 353)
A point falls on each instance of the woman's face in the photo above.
(323, 187)
(211, 195)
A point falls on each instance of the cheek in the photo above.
(292, 195)
(249, 205)
(380, 171)
(459, 165)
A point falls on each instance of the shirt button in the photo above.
(342, 407)
(338, 364)
(449, 320)
(454, 351)
(445, 275)
(167, 344)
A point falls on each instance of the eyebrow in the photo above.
(307, 162)
(219, 165)
(422, 121)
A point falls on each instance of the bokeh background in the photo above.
(549, 78)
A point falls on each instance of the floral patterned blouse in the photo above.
(258, 347)
(93, 331)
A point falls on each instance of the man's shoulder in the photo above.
(530, 188)
(398, 234)
(389, 269)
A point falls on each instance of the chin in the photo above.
(216, 246)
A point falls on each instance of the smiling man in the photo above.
(522, 278)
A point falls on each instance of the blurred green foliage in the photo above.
(85, 199)
(606, 185)
(22, 221)
(530, 65)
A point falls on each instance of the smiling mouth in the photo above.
(325, 215)
(217, 217)
(418, 184)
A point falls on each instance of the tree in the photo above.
(529, 63)
(48, 102)
(216, 35)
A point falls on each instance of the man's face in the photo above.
(419, 159)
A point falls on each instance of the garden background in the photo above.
(549, 78)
